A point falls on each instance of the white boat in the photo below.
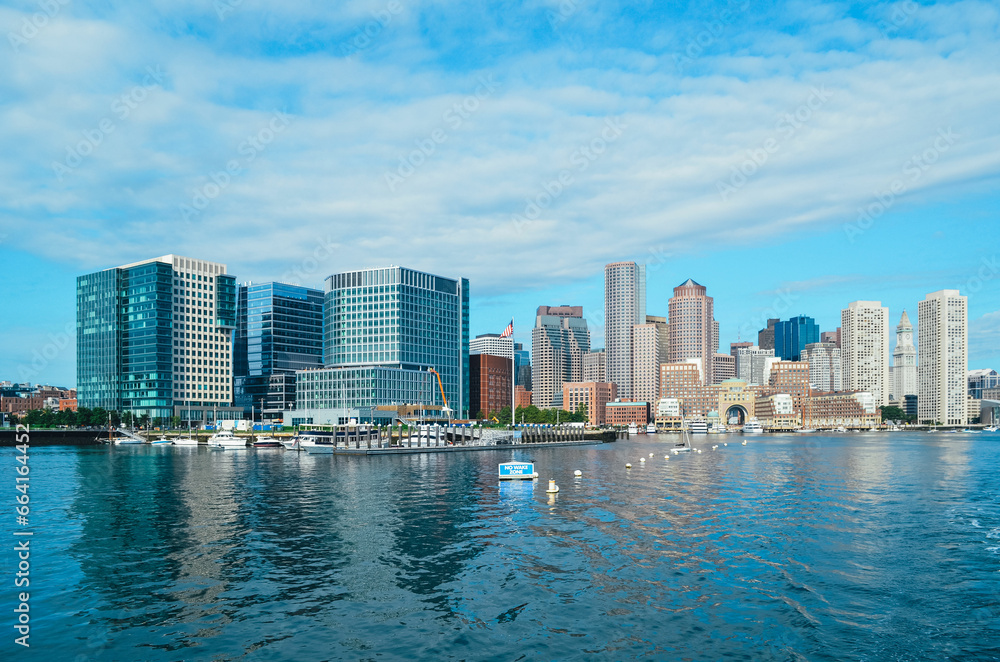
(266, 442)
(991, 428)
(971, 431)
(126, 438)
(753, 426)
(291, 444)
(633, 429)
(162, 441)
(806, 430)
(698, 427)
(226, 439)
(841, 429)
(185, 441)
(651, 428)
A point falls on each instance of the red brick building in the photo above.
(595, 395)
(489, 384)
(624, 413)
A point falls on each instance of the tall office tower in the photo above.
(904, 361)
(490, 384)
(154, 338)
(715, 337)
(831, 336)
(724, 367)
(865, 349)
(279, 329)
(663, 335)
(558, 342)
(735, 347)
(692, 326)
(765, 337)
(824, 366)
(594, 366)
(648, 352)
(943, 345)
(522, 366)
(624, 307)
(384, 330)
(791, 336)
(751, 364)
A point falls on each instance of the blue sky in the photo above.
(790, 156)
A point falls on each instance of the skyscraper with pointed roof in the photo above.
(904, 361)
(692, 327)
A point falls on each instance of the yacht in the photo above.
(991, 428)
(162, 441)
(651, 428)
(126, 438)
(315, 441)
(266, 442)
(187, 440)
(841, 429)
(633, 429)
(226, 439)
(752, 426)
(698, 427)
(291, 444)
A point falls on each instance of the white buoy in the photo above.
(642, 460)
(650, 455)
(666, 457)
(724, 444)
(744, 442)
(553, 488)
(699, 451)
(628, 465)
(577, 473)
(715, 446)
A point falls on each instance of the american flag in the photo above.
(509, 331)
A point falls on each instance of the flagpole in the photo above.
(513, 376)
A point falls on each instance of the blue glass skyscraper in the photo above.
(279, 330)
(792, 336)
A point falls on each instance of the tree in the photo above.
(892, 413)
(175, 421)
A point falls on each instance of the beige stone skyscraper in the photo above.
(943, 350)
(864, 352)
(692, 327)
(650, 348)
(624, 307)
(558, 342)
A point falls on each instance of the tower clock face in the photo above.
(907, 337)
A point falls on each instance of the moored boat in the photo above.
(266, 442)
(633, 429)
(651, 428)
(753, 426)
(698, 427)
(226, 439)
(185, 441)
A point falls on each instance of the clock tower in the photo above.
(904, 361)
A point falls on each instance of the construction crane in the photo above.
(441, 386)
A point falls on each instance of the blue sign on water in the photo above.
(517, 470)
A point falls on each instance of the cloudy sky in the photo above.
(791, 156)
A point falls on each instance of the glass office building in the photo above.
(398, 319)
(154, 338)
(279, 329)
(792, 336)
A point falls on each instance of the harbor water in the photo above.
(871, 546)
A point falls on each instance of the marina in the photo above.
(435, 543)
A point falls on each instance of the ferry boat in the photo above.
(651, 428)
(753, 426)
(698, 427)
(633, 429)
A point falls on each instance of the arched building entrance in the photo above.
(736, 415)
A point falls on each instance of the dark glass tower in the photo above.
(792, 336)
(279, 329)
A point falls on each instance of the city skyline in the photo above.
(787, 154)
